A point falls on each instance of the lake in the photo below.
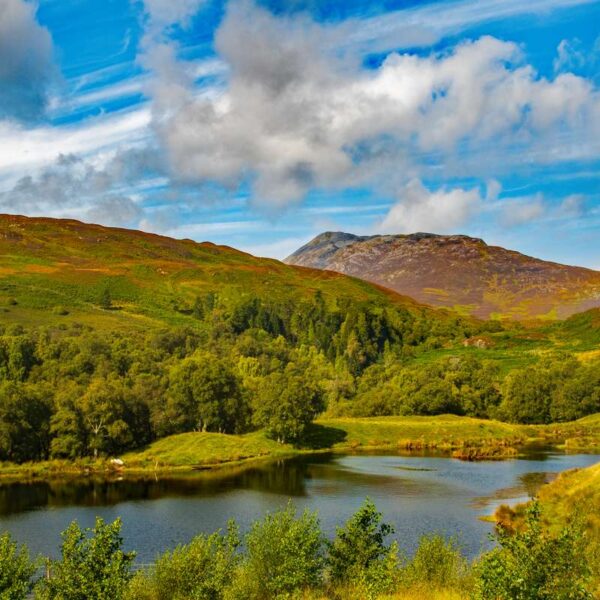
(417, 494)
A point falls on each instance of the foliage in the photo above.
(556, 389)
(359, 556)
(438, 563)
(93, 565)
(286, 404)
(201, 569)
(284, 554)
(531, 564)
(16, 570)
(73, 391)
(205, 395)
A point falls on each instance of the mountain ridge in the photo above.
(53, 264)
(457, 271)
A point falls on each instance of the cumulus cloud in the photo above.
(115, 211)
(441, 211)
(76, 187)
(521, 211)
(27, 71)
(297, 114)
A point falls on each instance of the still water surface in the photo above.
(418, 494)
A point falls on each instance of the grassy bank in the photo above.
(461, 437)
(572, 498)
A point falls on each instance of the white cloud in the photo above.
(569, 56)
(27, 71)
(522, 211)
(441, 211)
(164, 13)
(572, 206)
(79, 188)
(26, 150)
(296, 115)
(427, 22)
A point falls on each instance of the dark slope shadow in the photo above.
(320, 437)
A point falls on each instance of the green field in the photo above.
(444, 433)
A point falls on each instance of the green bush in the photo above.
(359, 556)
(16, 570)
(438, 563)
(201, 569)
(284, 555)
(534, 565)
(93, 565)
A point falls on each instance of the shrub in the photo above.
(93, 567)
(16, 570)
(359, 556)
(284, 554)
(534, 565)
(201, 569)
(437, 563)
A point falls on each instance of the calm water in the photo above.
(418, 494)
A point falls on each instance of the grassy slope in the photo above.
(51, 263)
(445, 432)
(574, 494)
(526, 343)
(187, 451)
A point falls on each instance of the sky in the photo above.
(259, 124)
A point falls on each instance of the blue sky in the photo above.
(261, 124)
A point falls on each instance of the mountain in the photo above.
(457, 271)
(49, 266)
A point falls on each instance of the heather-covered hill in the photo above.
(458, 272)
(47, 265)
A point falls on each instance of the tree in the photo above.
(528, 393)
(286, 404)
(205, 395)
(114, 419)
(106, 299)
(534, 565)
(68, 433)
(24, 422)
(359, 556)
(198, 309)
(578, 396)
(93, 565)
(16, 570)
(284, 555)
(203, 569)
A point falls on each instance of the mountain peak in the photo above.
(457, 271)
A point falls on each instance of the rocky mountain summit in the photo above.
(457, 271)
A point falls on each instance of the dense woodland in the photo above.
(72, 391)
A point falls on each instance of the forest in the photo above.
(72, 390)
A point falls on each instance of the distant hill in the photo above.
(458, 272)
(49, 264)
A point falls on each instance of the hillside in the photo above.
(457, 272)
(55, 264)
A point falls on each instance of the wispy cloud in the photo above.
(435, 20)
(26, 150)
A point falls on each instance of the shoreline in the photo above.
(463, 438)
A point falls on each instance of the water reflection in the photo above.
(418, 494)
(287, 477)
